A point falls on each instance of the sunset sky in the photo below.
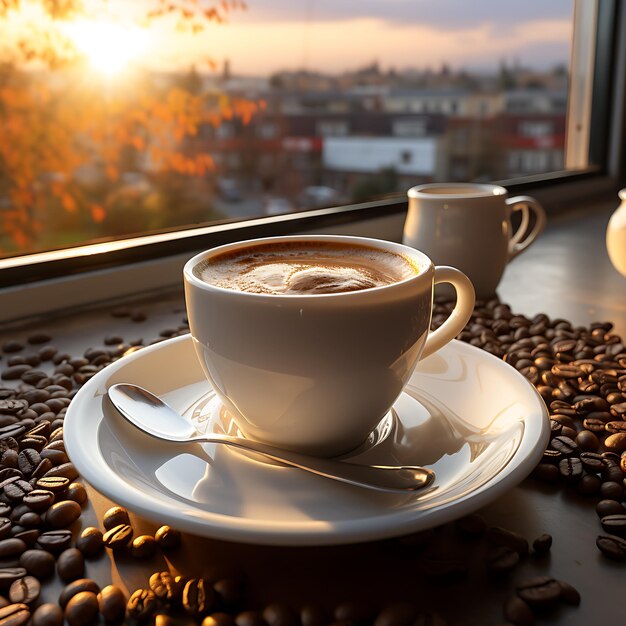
(337, 35)
(334, 35)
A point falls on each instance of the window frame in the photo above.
(556, 190)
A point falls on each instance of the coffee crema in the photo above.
(305, 268)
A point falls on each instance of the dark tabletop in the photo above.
(566, 274)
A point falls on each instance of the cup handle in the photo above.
(465, 300)
(521, 239)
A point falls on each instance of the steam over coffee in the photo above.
(301, 268)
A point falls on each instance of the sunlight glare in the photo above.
(108, 46)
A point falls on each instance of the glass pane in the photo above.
(119, 118)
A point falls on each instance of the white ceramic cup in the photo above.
(468, 225)
(316, 373)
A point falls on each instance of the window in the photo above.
(158, 140)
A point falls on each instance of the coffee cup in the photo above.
(308, 369)
(468, 225)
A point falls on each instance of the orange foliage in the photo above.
(50, 131)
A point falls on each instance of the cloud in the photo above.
(334, 46)
(441, 14)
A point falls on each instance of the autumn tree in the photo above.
(80, 158)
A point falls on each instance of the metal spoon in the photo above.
(151, 415)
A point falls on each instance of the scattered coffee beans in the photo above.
(82, 609)
(115, 516)
(580, 372)
(167, 538)
(112, 603)
(90, 542)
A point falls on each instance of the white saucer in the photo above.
(465, 414)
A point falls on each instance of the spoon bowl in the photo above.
(154, 417)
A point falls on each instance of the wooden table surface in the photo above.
(565, 274)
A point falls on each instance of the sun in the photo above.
(108, 46)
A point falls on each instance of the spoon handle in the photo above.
(381, 477)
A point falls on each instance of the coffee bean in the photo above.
(115, 516)
(314, 615)
(609, 507)
(55, 484)
(614, 443)
(112, 602)
(48, 615)
(17, 489)
(77, 493)
(9, 459)
(612, 490)
(619, 410)
(41, 470)
(30, 520)
(396, 614)
(55, 541)
(594, 425)
(118, 537)
(39, 500)
(66, 470)
(8, 443)
(143, 547)
(518, 612)
(10, 548)
(5, 527)
(90, 542)
(62, 514)
(539, 592)
(38, 563)
(501, 559)
(14, 615)
(615, 524)
(542, 544)
(25, 590)
(82, 609)
(8, 575)
(280, 614)
(198, 597)
(229, 592)
(12, 406)
(570, 595)
(612, 547)
(571, 469)
(221, 619)
(571, 433)
(58, 457)
(589, 485)
(142, 605)
(589, 404)
(38, 338)
(71, 565)
(14, 372)
(587, 441)
(164, 586)
(29, 537)
(546, 472)
(615, 427)
(167, 538)
(253, 618)
(77, 586)
(563, 370)
(28, 460)
(565, 446)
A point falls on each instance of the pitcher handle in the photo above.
(521, 239)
